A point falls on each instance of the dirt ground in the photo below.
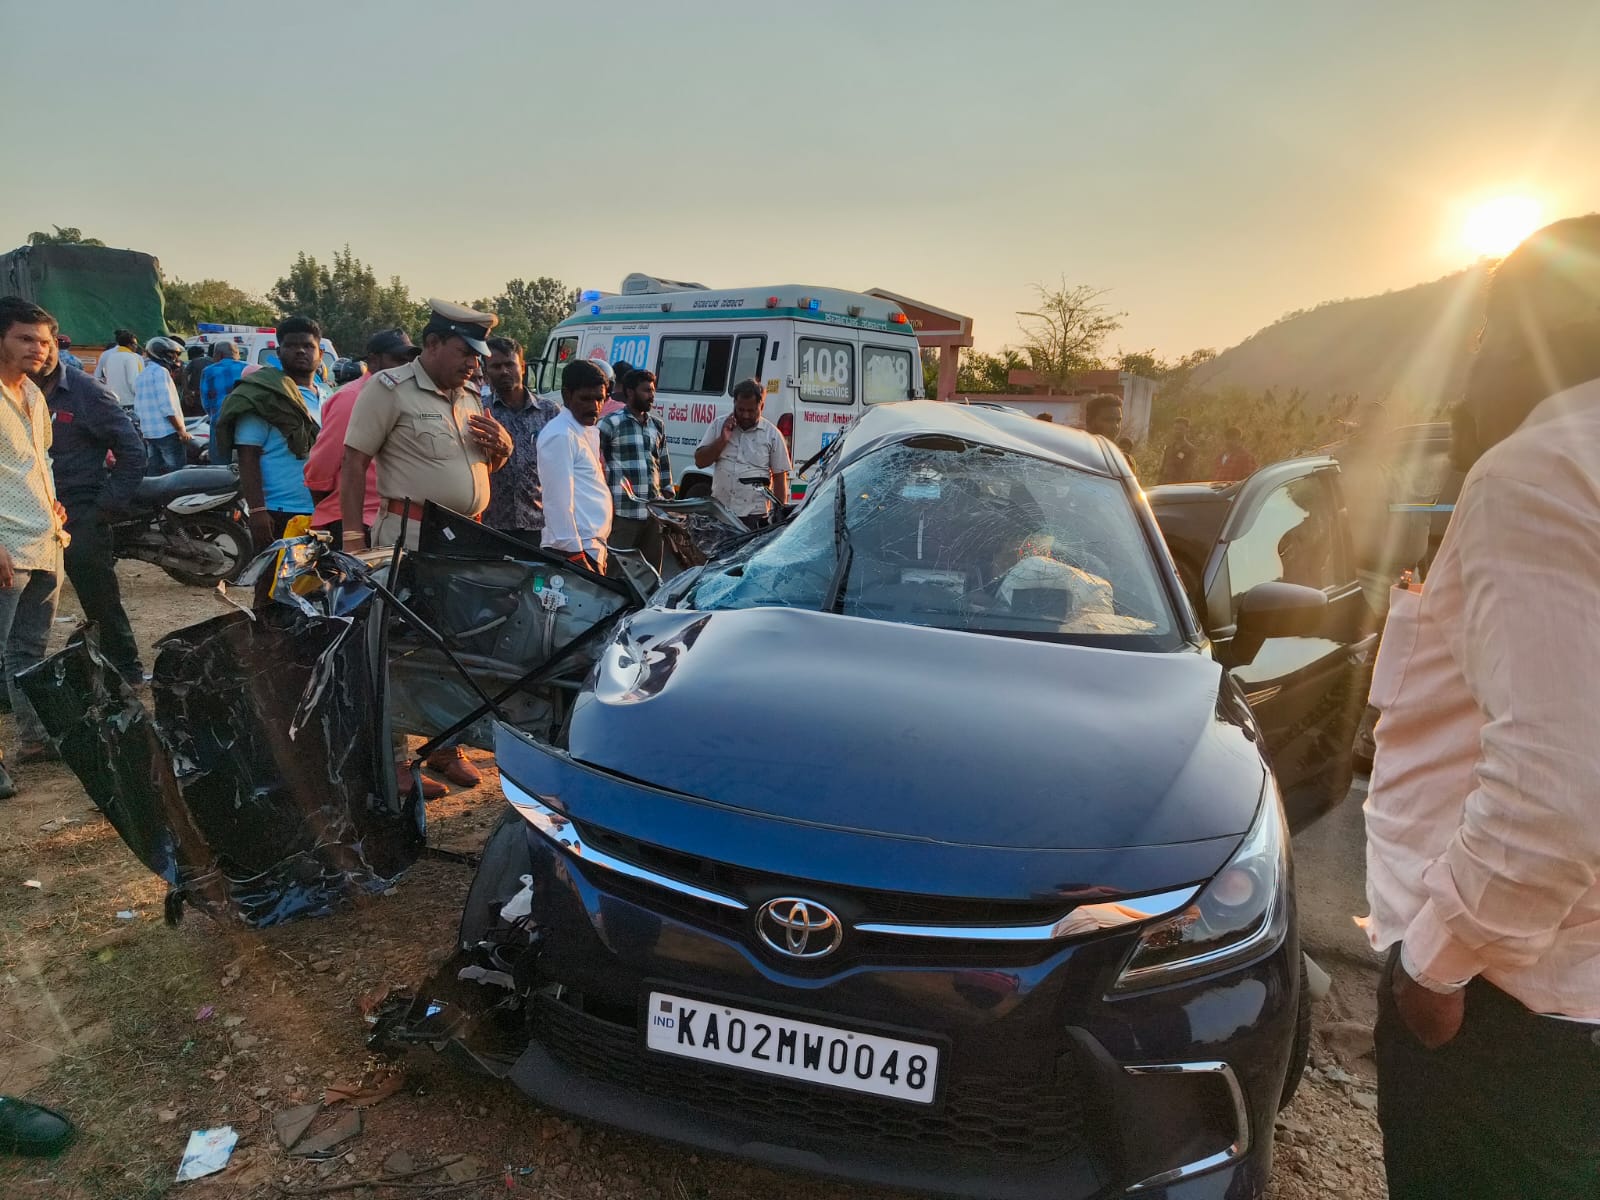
(143, 1033)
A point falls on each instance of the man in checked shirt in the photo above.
(516, 501)
(633, 446)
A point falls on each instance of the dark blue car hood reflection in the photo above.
(913, 732)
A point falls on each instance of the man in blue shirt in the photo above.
(64, 345)
(87, 423)
(217, 380)
(268, 420)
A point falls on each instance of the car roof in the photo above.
(888, 424)
(1190, 493)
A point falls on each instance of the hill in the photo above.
(1408, 349)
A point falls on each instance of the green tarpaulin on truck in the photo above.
(90, 290)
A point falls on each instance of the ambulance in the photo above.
(822, 355)
(257, 345)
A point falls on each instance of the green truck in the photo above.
(90, 290)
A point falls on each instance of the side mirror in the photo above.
(1282, 610)
(1273, 610)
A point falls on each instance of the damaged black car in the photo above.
(920, 839)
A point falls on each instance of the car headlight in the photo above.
(1240, 913)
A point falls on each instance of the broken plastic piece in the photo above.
(520, 905)
(207, 1153)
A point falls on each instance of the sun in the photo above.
(1494, 228)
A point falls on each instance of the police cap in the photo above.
(470, 325)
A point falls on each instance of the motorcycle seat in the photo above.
(157, 491)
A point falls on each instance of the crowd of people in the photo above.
(449, 420)
(1483, 853)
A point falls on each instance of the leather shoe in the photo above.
(31, 1129)
(452, 763)
(35, 752)
(432, 789)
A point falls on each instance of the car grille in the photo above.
(859, 905)
(995, 1117)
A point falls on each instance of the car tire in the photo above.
(1300, 1052)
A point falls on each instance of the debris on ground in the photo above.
(207, 1153)
(364, 1093)
(292, 1123)
(347, 1126)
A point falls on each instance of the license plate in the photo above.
(790, 1049)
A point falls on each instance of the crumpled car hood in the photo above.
(923, 733)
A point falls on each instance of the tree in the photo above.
(188, 304)
(981, 372)
(1064, 336)
(346, 299)
(530, 309)
(70, 236)
(1174, 376)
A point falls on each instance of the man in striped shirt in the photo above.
(156, 409)
(633, 447)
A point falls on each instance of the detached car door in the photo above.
(1288, 524)
(495, 609)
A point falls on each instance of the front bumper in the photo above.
(1048, 1087)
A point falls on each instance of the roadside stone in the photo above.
(464, 1168)
(398, 1163)
(322, 966)
(1366, 1100)
(1348, 1040)
(167, 1115)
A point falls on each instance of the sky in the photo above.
(1212, 165)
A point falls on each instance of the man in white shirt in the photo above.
(120, 365)
(32, 521)
(744, 446)
(577, 502)
(1483, 817)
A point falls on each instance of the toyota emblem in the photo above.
(798, 928)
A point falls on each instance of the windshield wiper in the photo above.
(844, 552)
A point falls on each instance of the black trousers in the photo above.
(638, 533)
(1508, 1110)
(93, 574)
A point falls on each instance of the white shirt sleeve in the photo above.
(555, 450)
(1528, 848)
(778, 453)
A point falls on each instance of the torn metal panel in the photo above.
(258, 790)
(503, 608)
(696, 531)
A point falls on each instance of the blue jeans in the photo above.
(163, 454)
(26, 610)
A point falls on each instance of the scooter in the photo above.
(193, 523)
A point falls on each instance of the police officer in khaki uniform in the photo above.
(425, 428)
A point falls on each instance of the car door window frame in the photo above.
(1221, 613)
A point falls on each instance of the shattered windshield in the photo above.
(959, 537)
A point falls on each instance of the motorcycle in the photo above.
(193, 523)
